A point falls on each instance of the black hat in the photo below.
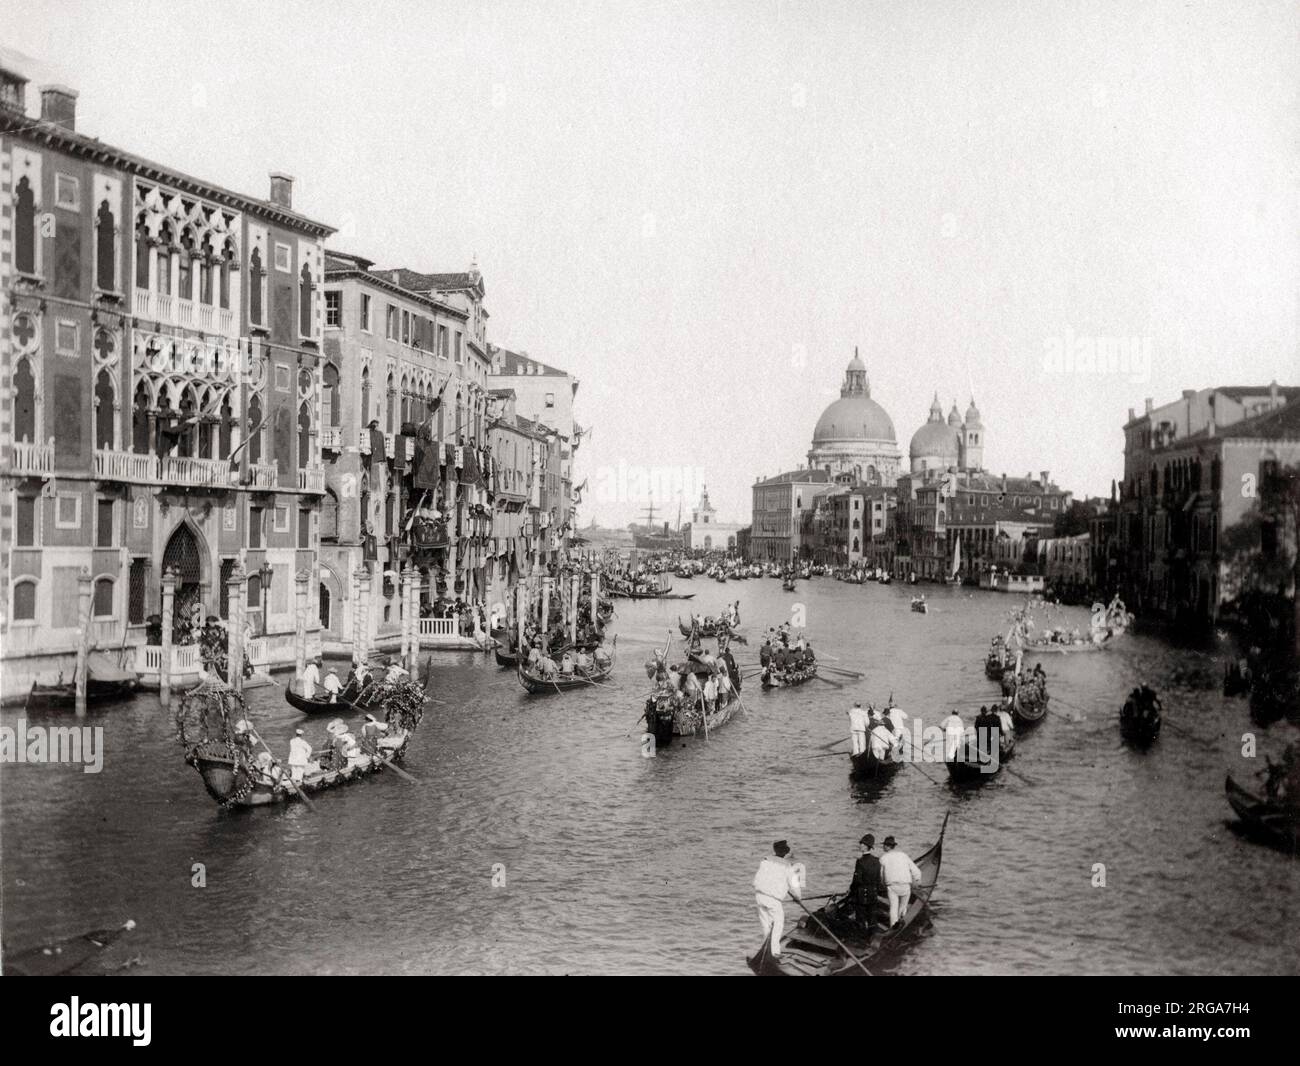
(890, 842)
(868, 840)
(781, 848)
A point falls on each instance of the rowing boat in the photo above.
(667, 719)
(920, 606)
(1140, 730)
(105, 682)
(975, 764)
(63, 956)
(1277, 824)
(867, 767)
(1029, 704)
(808, 950)
(771, 678)
(536, 684)
(313, 705)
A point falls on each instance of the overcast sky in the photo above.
(700, 208)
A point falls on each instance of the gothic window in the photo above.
(164, 269)
(392, 402)
(25, 228)
(184, 285)
(255, 274)
(105, 248)
(141, 255)
(227, 259)
(140, 420)
(329, 516)
(365, 396)
(304, 436)
(227, 416)
(255, 427)
(283, 439)
(205, 281)
(185, 441)
(24, 402)
(330, 413)
(205, 428)
(305, 289)
(104, 414)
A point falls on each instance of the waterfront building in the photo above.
(520, 449)
(704, 532)
(1199, 523)
(165, 377)
(781, 507)
(400, 434)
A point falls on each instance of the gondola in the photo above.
(770, 678)
(538, 685)
(665, 595)
(712, 629)
(106, 682)
(1138, 729)
(666, 721)
(63, 956)
(920, 606)
(866, 767)
(807, 950)
(1277, 824)
(505, 656)
(1028, 708)
(971, 766)
(788, 585)
(347, 703)
(994, 666)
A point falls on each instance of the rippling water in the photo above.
(615, 863)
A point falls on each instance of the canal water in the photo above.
(539, 839)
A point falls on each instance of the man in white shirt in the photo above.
(899, 873)
(898, 726)
(310, 679)
(333, 686)
(954, 735)
(858, 724)
(777, 880)
(299, 755)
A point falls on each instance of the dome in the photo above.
(954, 419)
(856, 417)
(936, 439)
(972, 413)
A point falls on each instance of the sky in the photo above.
(700, 209)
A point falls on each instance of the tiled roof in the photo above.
(803, 476)
(1238, 392)
(506, 363)
(1282, 423)
(419, 282)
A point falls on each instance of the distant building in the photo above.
(854, 438)
(704, 532)
(779, 532)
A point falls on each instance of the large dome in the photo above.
(855, 417)
(934, 440)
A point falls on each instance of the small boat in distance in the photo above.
(1276, 824)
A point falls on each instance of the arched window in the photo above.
(227, 416)
(140, 420)
(254, 592)
(142, 246)
(304, 301)
(223, 271)
(205, 280)
(405, 402)
(105, 248)
(392, 403)
(185, 269)
(25, 228)
(329, 516)
(255, 286)
(24, 402)
(104, 414)
(205, 429)
(165, 262)
(103, 598)
(304, 436)
(366, 414)
(24, 601)
(255, 428)
(330, 414)
(188, 435)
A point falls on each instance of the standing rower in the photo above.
(899, 873)
(864, 892)
(776, 881)
(858, 725)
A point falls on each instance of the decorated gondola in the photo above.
(830, 942)
(669, 714)
(919, 605)
(237, 768)
(1269, 821)
(1029, 702)
(972, 763)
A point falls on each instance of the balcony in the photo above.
(390, 446)
(311, 479)
(128, 467)
(331, 439)
(195, 473)
(263, 475)
(172, 310)
(363, 441)
(36, 460)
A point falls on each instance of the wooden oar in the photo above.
(843, 946)
(856, 674)
(287, 777)
(389, 764)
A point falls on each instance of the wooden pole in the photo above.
(165, 668)
(521, 613)
(546, 615)
(83, 638)
(413, 610)
(595, 597)
(359, 584)
(404, 615)
(235, 627)
(575, 585)
(300, 623)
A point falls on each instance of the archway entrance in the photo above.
(182, 555)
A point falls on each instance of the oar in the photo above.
(843, 946)
(287, 777)
(856, 674)
(388, 763)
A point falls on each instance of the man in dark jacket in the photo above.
(864, 892)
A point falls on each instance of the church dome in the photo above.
(934, 440)
(853, 418)
(954, 419)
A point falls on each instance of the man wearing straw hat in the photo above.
(299, 756)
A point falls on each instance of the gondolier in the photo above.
(899, 873)
(858, 726)
(310, 679)
(866, 887)
(299, 756)
(777, 880)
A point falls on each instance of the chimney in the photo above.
(281, 189)
(1131, 414)
(1188, 393)
(1045, 478)
(1148, 403)
(59, 105)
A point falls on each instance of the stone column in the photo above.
(165, 670)
(301, 582)
(235, 627)
(359, 583)
(575, 587)
(83, 638)
(373, 614)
